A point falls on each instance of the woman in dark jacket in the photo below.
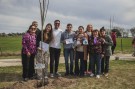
(108, 52)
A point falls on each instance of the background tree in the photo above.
(117, 32)
(133, 31)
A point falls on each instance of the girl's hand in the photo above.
(28, 54)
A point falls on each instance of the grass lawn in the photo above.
(10, 44)
(126, 45)
(121, 76)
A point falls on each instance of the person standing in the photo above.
(133, 45)
(88, 31)
(113, 36)
(81, 42)
(96, 52)
(108, 52)
(28, 53)
(47, 38)
(67, 40)
(55, 49)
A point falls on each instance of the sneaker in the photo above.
(51, 75)
(85, 73)
(106, 74)
(25, 79)
(88, 72)
(72, 73)
(91, 75)
(46, 77)
(66, 74)
(58, 74)
(98, 76)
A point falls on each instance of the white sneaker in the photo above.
(46, 77)
(51, 75)
(91, 75)
(106, 75)
(98, 76)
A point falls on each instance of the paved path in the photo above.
(16, 62)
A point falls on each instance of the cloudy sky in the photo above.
(17, 15)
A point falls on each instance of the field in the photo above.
(12, 45)
(124, 45)
(121, 76)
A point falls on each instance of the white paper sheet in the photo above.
(45, 46)
(69, 41)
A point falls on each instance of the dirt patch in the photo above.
(34, 84)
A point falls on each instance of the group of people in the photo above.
(78, 46)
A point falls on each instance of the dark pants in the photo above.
(28, 66)
(54, 59)
(79, 70)
(113, 48)
(67, 53)
(105, 64)
(95, 61)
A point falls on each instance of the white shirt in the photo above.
(55, 43)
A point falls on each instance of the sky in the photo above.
(17, 15)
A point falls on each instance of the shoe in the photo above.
(98, 76)
(51, 75)
(57, 74)
(66, 74)
(88, 72)
(31, 78)
(25, 79)
(72, 73)
(106, 74)
(46, 77)
(91, 75)
(85, 73)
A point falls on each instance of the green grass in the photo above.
(10, 44)
(126, 45)
(121, 76)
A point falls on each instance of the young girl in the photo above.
(28, 52)
(95, 46)
(47, 37)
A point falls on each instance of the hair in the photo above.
(34, 22)
(69, 24)
(95, 30)
(47, 36)
(30, 28)
(102, 29)
(87, 27)
(81, 27)
(56, 21)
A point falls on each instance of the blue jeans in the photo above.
(95, 60)
(69, 52)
